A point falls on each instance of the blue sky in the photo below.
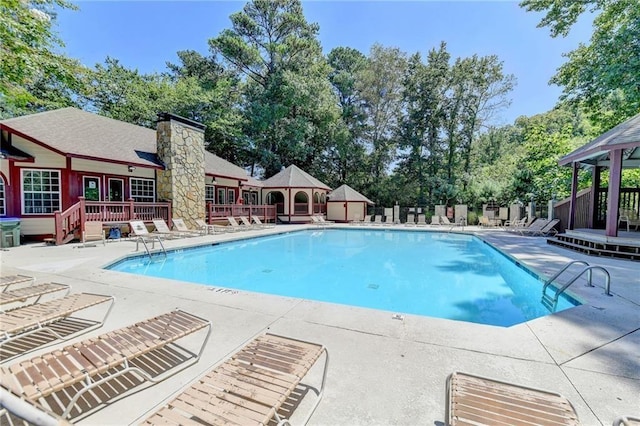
(147, 34)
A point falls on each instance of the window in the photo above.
(116, 192)
(40, 191)
(221, 193)
(210, 194)
(301, 201)
(3, 197)
(143, 190)
(91, 188)
(231, 196)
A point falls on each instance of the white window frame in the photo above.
(23, 192)
(84, 186)
(3, 197)
(142, 198)
(231, 196)
(210, 194)
(221, 199)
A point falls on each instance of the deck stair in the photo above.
(598, 245)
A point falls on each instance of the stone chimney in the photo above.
(180, 145)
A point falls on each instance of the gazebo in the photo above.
(346, 204)
(616, 149)
(296, 194)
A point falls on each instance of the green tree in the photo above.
(206, 91)
(33, 76)
(381, 88)
(604, 75)
(420, 130)
(346, 155)
(290, 108)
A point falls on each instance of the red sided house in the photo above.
(61, 168)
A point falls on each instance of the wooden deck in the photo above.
(594, 242)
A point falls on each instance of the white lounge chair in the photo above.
(163, 229)
(234, 225)
(142, 234)
(181, 226)
(211, 229)
(246, 222)
(261, 224)
(422, 220)
(411, 220)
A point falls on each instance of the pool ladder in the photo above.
(153, 245)
(551, 301)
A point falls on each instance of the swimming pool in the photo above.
(435, 274)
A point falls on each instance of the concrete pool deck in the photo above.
(382, 371)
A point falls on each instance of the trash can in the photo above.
(9, 232)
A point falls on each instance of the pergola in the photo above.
(616, 149)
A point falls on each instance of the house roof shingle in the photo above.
(79, 133)
(293, 177)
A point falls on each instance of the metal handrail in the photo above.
(587, 269)
(142, 240)
(574, 262)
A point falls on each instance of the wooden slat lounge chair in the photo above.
(86, 365)
(13, 408)
(8, 280)
(23, 294)
(626, 421)
(248, 388)
(27, 320)
(475, 400)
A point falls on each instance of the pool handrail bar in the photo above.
(552, 302)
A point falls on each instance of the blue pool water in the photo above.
(434, 274)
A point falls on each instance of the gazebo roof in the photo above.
(625, 136)
(346, 193)
(293, 177)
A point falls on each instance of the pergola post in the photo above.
(595, 193)
(574, 191)
(615, 176)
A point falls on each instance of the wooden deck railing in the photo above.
(72, 219)
(561, 210)
(67, 222)
(629, 199)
